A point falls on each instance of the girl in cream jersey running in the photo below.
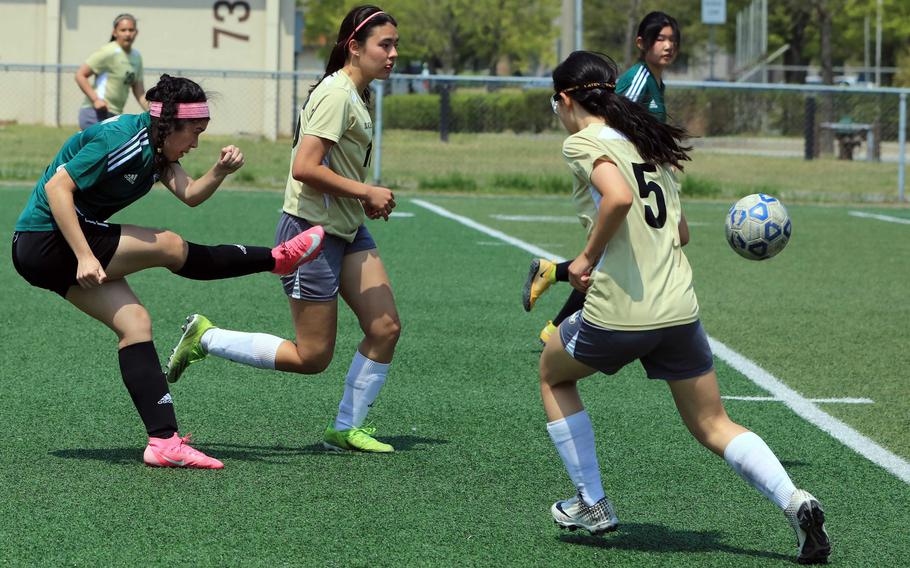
(331, 157)
(640, 303)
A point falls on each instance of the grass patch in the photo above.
(498, 163)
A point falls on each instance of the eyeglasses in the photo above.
(554, 103)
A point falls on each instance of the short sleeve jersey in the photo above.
(639, 85)
(643, 280)
(111, 164)
(115, 72)
(334, 111)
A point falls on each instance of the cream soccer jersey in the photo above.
(643, 280)
(336, 112)
(115, 72)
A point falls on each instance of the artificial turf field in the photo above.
(475, 472)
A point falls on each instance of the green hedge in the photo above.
(473, 111)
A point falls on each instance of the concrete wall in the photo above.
(248, 35)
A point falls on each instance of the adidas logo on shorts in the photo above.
(130, 177)
(166, 399)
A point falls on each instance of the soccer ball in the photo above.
(758, 226)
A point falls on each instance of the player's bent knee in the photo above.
(385, 330)
(133, 324)
(313, 361)
(174, 249)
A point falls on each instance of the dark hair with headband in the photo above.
(118, 19)
(652, 24)
(355, 26)
(169, 91)
(589, 79)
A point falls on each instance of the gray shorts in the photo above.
(318, 280)
(670, 353)
(90, 116)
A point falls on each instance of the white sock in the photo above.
(753, 460)
(254, 349)
(574, 440)
(361, 387)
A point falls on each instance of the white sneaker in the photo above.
(575, 514)
(807, 518)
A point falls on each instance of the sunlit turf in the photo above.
(475, 472)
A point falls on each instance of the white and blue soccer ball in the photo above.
(758, 226)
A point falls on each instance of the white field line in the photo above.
(538, 218)
(887, 218)
(815, 400)
(802, 406)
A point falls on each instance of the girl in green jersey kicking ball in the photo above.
(63, 242)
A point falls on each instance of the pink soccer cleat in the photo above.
(175, 452)
(302, 248)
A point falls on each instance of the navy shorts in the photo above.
(45, 259)
(318, 280)
(670, 353)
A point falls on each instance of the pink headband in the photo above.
(357, 29)
(184, 110)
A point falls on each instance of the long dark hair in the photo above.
(589, 79)
(169, 91)
(355, 17)
(650, 27)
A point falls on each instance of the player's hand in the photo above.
(580, 273)
(379, 202)
(89, 273)
(230, 161)
(100, 104)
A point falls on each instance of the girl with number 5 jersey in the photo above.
(640, 303)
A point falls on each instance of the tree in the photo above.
(456, 35)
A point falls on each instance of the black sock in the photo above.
(562, 271)
(225, 261)
(147, 386)
(575, 302)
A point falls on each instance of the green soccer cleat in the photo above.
(189, 349)
(355, 439)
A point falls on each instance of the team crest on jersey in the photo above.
(130, 177)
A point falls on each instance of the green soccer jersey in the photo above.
(111, 164)
(334, 112)
(639, 85)
(643, 280)
(115, 72)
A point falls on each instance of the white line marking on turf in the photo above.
(815, 400)
(491, 243)
(401, 214)
(802, 406)
(887, 218)
(537, 218)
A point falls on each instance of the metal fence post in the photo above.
(809, 133)
(902, 148)
(445, 112)
(377, 133)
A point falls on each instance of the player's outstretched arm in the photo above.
(195, 191)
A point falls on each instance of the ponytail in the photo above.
(589, 78)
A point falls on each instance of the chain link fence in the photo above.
(808, 122)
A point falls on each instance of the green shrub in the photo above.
(526, 110)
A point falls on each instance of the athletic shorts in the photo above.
(45, 259)
(670, 353)
(318, 280)
(89, 116)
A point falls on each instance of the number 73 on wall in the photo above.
(235, 11)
